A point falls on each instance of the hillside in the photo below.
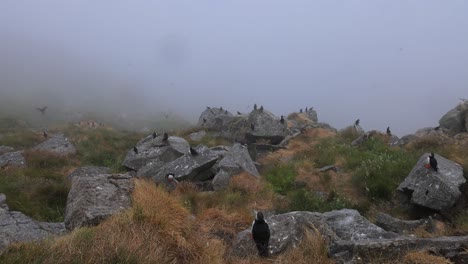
(280, 167)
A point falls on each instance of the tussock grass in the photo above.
(420, 257)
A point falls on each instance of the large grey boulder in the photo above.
(215, 119)
(312, 114)
(197, 136)
(6, 149)
(186, 168)
(267, 127)
(88, 171)
(236, 160)
(15, 159)
(287, 230)
(454, 120)
(57, 144)
(435, 190)
(156, 152)
(348, 224)
(399, 226)
(17, 227)
(376, 250)
(96, 197)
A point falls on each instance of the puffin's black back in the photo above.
(261, 231)
(433, 162)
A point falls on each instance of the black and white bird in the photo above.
(431, 160)
(171, 181)
(282, 120)
(261, 108)
(204, 120)
(193, 151)
(389, 132)
(252, 126)
(255, 106)
(165, 137)
(135, 149)
(42, 110)
(261, 235)
(45, 134)
(154, 135)
(356, 123)
(300, 110)
(239, 113)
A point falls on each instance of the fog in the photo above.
(394, 63)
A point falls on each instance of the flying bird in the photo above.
(261, 235)
(388, 131)
(356, 123)
(432, 162)
(165, 137)
(42, 110)
(282, 120)
(135, 149)
(252, 126)
(208, 107)
(193, 152)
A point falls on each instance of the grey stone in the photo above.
(13, 159)
(435, 190)
(287, 230)
(453, 120)
(399, 226)
(197, 136)
(87, 171)
(156, 152)
(3, 204)
(5, 149)
(348, 224)
(216, 119)
(329, 167)
(58, 144)
(188, 167)
(96, 197)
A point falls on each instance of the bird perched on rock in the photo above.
(389, 132)
(42, 110)
(300, 110)
(282, 120)
(135, 149)
(255, 106)
(239, 113)
(356, 123)
(261, 235)
(193, 151)
(220, 108)
(165, 137)
(306, 109)
(204, 120)
(154, 135)
(252, 126)
(208, 107)
(44, 134)
(432, 162)
(225, 112)
(261, 108)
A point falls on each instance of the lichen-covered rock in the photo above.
(215, 119)
(15, 159)
(87, 171)
(58, 144)
(399, 226)
(197, 136)
(267, 127)
(435, 190)
(6, 149)
(156, 152)
(96, 197)
(454, 120)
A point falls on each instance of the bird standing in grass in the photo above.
(261, 235)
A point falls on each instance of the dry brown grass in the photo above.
(420, 257)
(313, 249)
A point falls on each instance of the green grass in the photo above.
(281, 178)
(304, 200)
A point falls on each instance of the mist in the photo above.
(395, 63)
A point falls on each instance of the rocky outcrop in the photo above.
(156, 153)
(237, 159)
(58, 144)
(287, 230)
(435, 190)
(17, 227)
(5, 149)
(267, 127)
(455, 119)
(96, 197)
(88, 171)
(399, 226)
(215, 119)
(15, 159)
(188, 167)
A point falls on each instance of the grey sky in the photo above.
(398, 63)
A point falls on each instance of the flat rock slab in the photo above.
(15, 159)
(399, 226)
(17, 227)
(96, 197)
(5, 149)
(156, 152)
(435, 190)
(58, 144)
